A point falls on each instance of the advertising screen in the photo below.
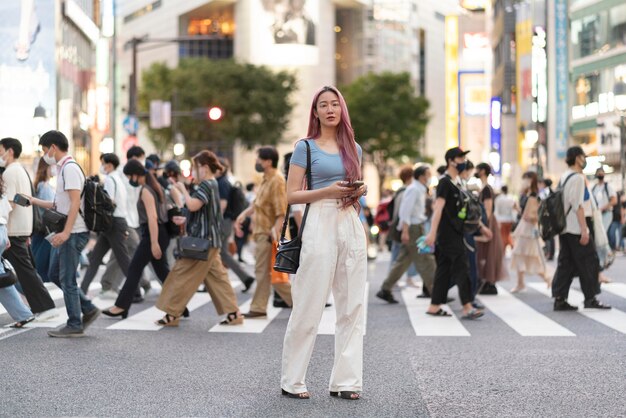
(27, 69)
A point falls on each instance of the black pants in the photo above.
(143, 256)
(21, 258)
(452, 266)
(114, 239)
(576, 260)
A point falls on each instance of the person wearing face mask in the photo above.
(203, 222)
(577, 255)
(70, 242)
(113, 276)
(115, 238)
(446, 234)
(267, 211)
(490, 254)
(154, 236)
(605, 198)
(412, 216)
(20, 227)
(40, 247)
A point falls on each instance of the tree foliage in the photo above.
(254, 99)
(388, 118)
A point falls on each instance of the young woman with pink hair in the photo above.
(333, 252)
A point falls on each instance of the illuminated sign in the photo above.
(478, 40)
(83, 22)
(451, 80)
(496, 131)
(476, 101)
(562, 75)
(474, 5)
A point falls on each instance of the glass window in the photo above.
(617, 25)
(589, 34)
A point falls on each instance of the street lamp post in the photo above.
(619, 95)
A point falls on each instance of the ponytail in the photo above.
(155, 185)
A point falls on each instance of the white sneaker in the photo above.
(108, 294)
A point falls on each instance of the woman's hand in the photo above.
(156, 250)
(430, 239)
(338, 190)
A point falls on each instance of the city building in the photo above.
(597, 47)
(48, 74)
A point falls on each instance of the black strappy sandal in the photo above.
(168, 321)
(232, 319)
(440, 312)
(20, 324)
(303, 395)
(346, 394)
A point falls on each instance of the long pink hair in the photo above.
(345, 134)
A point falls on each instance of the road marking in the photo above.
(251, 326)
(612, 318)
(618, 289)
(329, 316)
(427, 325)
(526, 321)
(13, 333)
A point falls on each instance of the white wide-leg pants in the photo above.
(333, 256)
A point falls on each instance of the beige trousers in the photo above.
(333, 257)
(185, 277)
(262, 270)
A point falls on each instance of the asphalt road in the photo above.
(496, 366)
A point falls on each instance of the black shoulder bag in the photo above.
(288, 254)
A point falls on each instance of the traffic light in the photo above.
(213, 113)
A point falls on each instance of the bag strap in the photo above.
(309, 182)
(562, 188)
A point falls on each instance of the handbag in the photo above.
(288, 253)
(8, 277)
(193, 247)
(54, 221)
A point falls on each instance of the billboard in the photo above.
(27, 69)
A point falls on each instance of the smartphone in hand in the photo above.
(354, 184)
(21, 200)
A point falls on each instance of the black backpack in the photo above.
(473, 212)
(98, 207)
(237, 202)
(552, 215)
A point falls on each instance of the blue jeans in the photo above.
(64, 275)
(9, 296)
(615, 235)
(395, 250)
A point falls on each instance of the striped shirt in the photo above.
(206, 222)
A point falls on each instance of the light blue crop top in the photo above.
(326, 168)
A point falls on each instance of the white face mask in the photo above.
(3, 162)
(53, 171)
(103, 171)
(49, 160)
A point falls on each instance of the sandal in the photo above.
(440, 312)
(346, 394)
(473, 314)
(168, 321)
(232, 319)
(20, 324)
(303, 395)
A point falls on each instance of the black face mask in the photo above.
(477, 175)
(259, 168)
(601, 178)
(133, 183)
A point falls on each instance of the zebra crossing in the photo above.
(505, 308)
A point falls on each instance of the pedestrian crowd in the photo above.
(153, 221)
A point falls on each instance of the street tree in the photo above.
(388, 118)
(255, 102)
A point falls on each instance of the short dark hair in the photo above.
(469, 165)
(110, 158)
(484, 166)
(441, 169)
(573, 153)
(505, 189)
(134, 152)
(14, 144)
(268, 153)
(406, 173)
(54, 138)
(420, 171)
(547, 182)
(155, 159)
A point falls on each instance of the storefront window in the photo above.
(617, 25)
(589, 35)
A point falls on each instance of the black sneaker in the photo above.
(247, 284)
(386, 296)
(66, 332)
(89, 317)
(478, 305)
(595, 304)
(423, 296)
(489, 289)
(562, 305)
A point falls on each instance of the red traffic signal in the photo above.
(214, 113)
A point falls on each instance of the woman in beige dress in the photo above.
(528, 257)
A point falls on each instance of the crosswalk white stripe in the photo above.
(618, 289)
(145, 320)
(252, 326)
(526, 321)
(329, 316)
(612, 318)
(430, 326)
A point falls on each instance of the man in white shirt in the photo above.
(20, 227)
(71, 241)
(115, 238)
(412, 216)
(577, 256)
(505, 211)
(605, 198)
